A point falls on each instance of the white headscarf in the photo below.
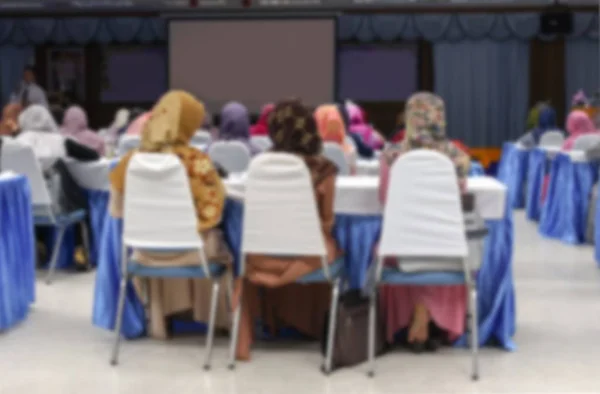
(40, 132)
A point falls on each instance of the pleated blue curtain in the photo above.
(582, 66)
(13, 60)
(485, 84)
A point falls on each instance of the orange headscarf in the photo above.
(169, 129)
(10, 115)
(331, 126)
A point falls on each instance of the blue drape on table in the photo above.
(357, 236)
(476, 169)
(98, 206)
(17, 255)
(514, 164)
(535, 181)
(485, 85)
(565, 211)
(13, 60)
(597, 231)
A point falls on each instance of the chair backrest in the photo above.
(20, 158)
(280, 212)
(202, 137)
(128, 143)
(262, 142)
(552, 139)
(586, 141)
(334, 152)
(423, 215)
(233, 156)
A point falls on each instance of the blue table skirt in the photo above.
(476, 169)
(597, 232)
(357, 236)
(564, 213)
(535, 179)
(514, 163)
(17, 256)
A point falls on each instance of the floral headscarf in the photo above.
(172, 123)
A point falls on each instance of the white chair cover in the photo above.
(423, 214)
(552, 139)
(586, 141)
(262, 142)
(334, 152)
(233, 156)
(20, 158)
(128, 143)
(280, 212)
(202, 137)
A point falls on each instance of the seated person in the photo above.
(173, 122)
(546, 122)
(9, 124)
(330, 126)
(292, 130)
(429, 313)
(235, 126)
(578, 124)
(359, 126)
(362, 148)
(75, 125)
(262, 125)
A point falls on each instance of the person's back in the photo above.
(75, 125)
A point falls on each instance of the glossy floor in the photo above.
(57, 350)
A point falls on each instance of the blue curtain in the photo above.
(582, 65)
(485, 84)
(12, 61)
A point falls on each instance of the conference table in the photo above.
(371, 167)
(357, 229)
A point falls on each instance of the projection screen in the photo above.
(254, 61)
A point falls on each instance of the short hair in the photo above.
(29, 68)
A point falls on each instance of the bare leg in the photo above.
(419, 329)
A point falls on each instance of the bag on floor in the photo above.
(350, 344)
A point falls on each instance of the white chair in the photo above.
(20, 158)
(202, 137)
(334, 152)
(424, 228)
(233, 156)
(159, 215)
(586, 142)
(281, 219)
(552, 139)
(128, 143)
(262, 142)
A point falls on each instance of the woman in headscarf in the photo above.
(578, 124)
(10, 118)
(262, 125)
(424, 310)
(362, 148)
(330, 126)
(292, 130)
(235, 125)
(173, 122)
(75, 125)
(546, 122)
(138, 123)
(359, 126)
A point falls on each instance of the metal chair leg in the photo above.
(335, 293)
(121, 306)
(55, 253)
(235, 330)
(85, 237)
(474, 333)
(372, 333)
(214, 298)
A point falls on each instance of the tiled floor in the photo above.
(57, 350)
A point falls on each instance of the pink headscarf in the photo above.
(578, 124)
(136, 127)
(75, 125)
(331, 126)
(262, 126)
(359, 126)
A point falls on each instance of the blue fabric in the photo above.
(535, 181)
(98, 206)
(395, 277)
(546, 122)
(197, 271)
(336, 270)
(485, 85)
(357, 237)
(17, 251)
(513, 167)
(476, 169)
(597, 231)
(564, 212)
(60, 220)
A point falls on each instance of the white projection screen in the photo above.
(254, 61)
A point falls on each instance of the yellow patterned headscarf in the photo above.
(171, 125)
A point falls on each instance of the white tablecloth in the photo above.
(359, 195)
(367, 167)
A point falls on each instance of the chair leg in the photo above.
(121, 306)
(55, 253)
(235, 330)
(474, 332)
(214, 298)
(335, 293)
(372, 333)
(85, 237)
